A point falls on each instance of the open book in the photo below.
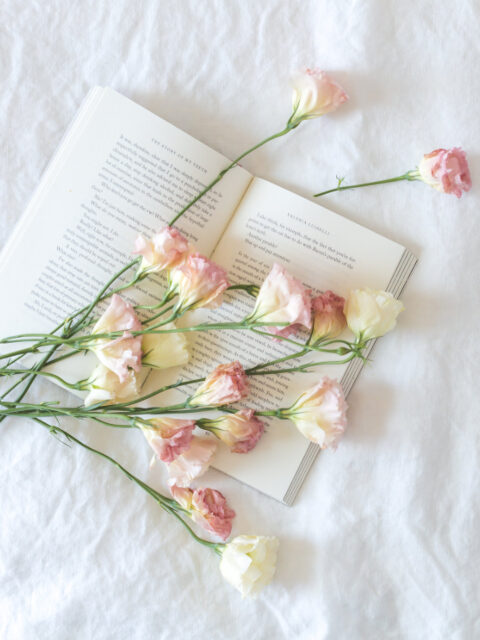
(121, 170)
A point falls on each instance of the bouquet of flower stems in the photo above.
(126, 339)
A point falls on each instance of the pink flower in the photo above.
(192, 463)
(328, 318)
(320, 413)
(283, 298)
(199, 282)
(168, 437)
(314, 94)
(208, 508)
(226, 384)
(446, 170)
(164, 250)
(120, 353)
(241, 430)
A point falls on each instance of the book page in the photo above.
(120, 171)
(325, 251)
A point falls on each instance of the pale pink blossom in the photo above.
(208, 508)
(199, 282)
(164, 250)
(315, 93)
(446, 170)
(192, 463)
(320, 413)
(328, 318)
(283, 298)
(124, 352)
(241, 430)
(168, 437)
(226, 384)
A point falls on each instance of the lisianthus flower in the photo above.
(328, 318)
(446, 170)
(164, 250)
(282, 298)
(241, 430)
(371, 314)
(315, 93)
(105, 386)
(192, 463)
(248, 562)
(208, 508)
(226, 384)
(320, 413)
(119, 354)
(164, 350)
(199, 282)
(168, 437)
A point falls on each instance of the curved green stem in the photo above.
(222, 173)
(410, 175)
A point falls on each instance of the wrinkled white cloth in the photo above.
(383, 541)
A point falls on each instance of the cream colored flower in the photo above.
(248, 562)
(105, 386)
(164, 350)
(371, 314)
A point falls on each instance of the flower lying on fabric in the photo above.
(241, 430)
(168, 437)
(320, 413)
(282, 298)
(446, 170)
(226, 384)
(208, 508)
(192, 463)
(119, 354)
(370, 314)
(328, 318)
(164, 250)
(199, 282)
(164, 350)
(248, 562)
(105, 386)
(315, 93)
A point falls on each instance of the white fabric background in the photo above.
(383, 541)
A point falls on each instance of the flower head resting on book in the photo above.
(320, 413)
(206, 507)
(192, 463)
(124, 352)
(168, 437)
(164, 350)
(105, 386)
(328, 317)
(248, 562)
(282, 299)
(166, 249)
(446, 170)
(371, 314)
(226, 384)
(315, 93)
(199, 282)
(241, 430)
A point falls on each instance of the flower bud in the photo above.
(241, 430)
(328, 318)
(208, 508)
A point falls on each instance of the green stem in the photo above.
(222, 173)
(410, 175)
(167, 504)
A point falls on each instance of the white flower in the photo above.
(371, 314)
(164, 350)
(104, 386)
(248, 562)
